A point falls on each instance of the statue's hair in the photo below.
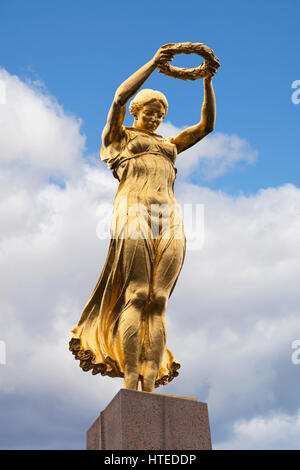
(147, 96)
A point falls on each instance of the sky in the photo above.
(233, 319)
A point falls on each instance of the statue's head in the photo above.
(149, 108)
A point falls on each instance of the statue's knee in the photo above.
(159, 300)
(139, 297)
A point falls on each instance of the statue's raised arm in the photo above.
(206, 70)
(113, 129)
(194, 134)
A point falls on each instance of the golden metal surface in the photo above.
(122, 329)
(190, 74)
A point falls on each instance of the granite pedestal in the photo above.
(136, 420)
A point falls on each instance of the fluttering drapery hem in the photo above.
(95, 339)
(110, 367)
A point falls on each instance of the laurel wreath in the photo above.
(211, 61)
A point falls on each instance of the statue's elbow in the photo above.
(209, 128)
(119, 99)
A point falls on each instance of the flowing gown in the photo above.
(146, 231)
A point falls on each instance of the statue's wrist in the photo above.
(154, 61)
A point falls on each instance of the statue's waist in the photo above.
(127, 197)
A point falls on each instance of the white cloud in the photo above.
(232, 317)
(240, 296)
(278, 431)
(36, 134)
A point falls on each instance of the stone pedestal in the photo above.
(136, 420)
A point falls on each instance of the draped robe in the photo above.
(146, 228)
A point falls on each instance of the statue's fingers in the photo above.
(168, 46)
(212, 72)
(166, 57)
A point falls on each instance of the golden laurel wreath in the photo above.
(211, 61)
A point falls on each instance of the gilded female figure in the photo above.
(122, 330)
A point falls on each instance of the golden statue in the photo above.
(122, 329)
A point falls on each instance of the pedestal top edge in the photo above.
(153, 394)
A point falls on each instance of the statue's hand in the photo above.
(163, 55)
(211, 70)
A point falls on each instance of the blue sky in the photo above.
(235, 311)
(82, 51)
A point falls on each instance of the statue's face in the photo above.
(150, 116)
